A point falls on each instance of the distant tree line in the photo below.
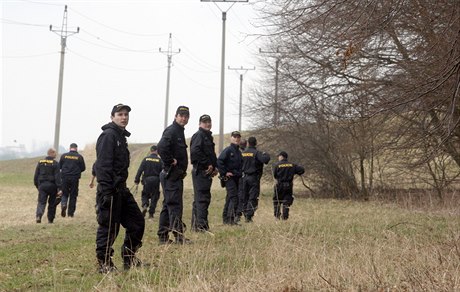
(364, 93)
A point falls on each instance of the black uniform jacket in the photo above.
(202, 152)
(172, 146)
(284, 171)
(47, 170)
(150, 166)
(230, 160)
(72, 164)
(112, 160)
(254, 160)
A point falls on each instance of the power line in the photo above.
(114, 67)
(116, 29)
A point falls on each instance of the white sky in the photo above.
(115, 58)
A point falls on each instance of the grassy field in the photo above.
(326, 245)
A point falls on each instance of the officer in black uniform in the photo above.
(253, 165)
(47, 179)
(150, 170)
(173, 151)
(115, 203)
(72, 164)
(284, 172)
(93, 175)
(204, 161)
(229, 164)
(243, 145)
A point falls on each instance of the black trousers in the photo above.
(230, 212)
(151, 193)
(70, 193)
(114, 210)
(282, 199)
(201, 199)
(171, 212)
(250, 195)
(47, 192)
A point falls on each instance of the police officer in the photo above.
(243, 145)
(115, 203)
(253, 164)
(150, 170)
(284, 172)
(229, 164)
(173, 151)
(204, 161)
(47, 179)
(72, 165)
(93, 175)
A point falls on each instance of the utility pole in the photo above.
(222, 69)
(63, 33)
(275, 104)
(169, 53)
(241, 71)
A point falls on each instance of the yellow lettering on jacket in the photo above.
(46, 161)
(71, 157)
(152, 159)
(286, 165)
(248, 154)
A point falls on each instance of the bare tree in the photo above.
(348, 64)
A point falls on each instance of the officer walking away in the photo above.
(150, 170)
(115, 203)
(72, 165)
(243, 145)
(229, 164)
(284, 172)
(173, 151)
(253, 165)
(93, 175)
(204, 161)
(47, 179)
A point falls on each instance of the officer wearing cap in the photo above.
(284, 172)
(173, 151)
(115, 203)
(150, 170)
(72, 164)
(47, 179)
(204, 161)
(229, 164)
(253, 164)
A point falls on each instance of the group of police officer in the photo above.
(239, 168)
(58, 182)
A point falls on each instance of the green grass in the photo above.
(325, 245)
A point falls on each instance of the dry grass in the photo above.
(326, 245)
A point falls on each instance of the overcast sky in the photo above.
(115, 58)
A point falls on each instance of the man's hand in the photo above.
(229, 174)
(209, 170)
(174, 163)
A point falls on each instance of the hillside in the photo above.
(325, 245)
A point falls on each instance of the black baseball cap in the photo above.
(119, 107)
(182, 110)
(73, 145)
(236, 133)
(205, 118)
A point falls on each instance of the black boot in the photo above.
(106, 266)
(129, 259)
